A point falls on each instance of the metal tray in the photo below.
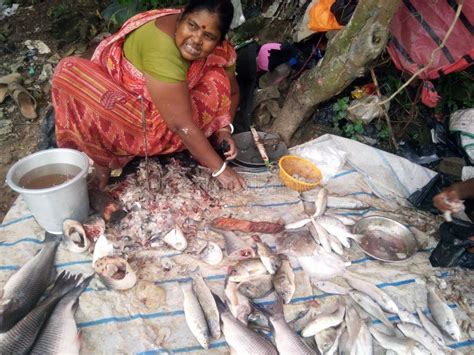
(248, 153)
(385, 239)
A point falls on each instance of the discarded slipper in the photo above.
(4, 81)
(24, 100)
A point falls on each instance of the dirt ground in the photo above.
(50, 22)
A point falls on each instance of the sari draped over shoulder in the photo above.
(103, 107)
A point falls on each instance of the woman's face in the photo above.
(197, 34)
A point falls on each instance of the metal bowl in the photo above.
(385, 239)
(248, 153)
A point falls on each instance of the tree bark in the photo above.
(346, 58)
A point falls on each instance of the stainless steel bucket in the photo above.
(51, 206)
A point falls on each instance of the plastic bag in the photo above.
(452, 248)
(366, 108)
(321, 19)
(423, 198)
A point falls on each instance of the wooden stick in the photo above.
(260, 147)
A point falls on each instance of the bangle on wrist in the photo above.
(229, 128)
(220, 171)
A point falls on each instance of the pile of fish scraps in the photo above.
(36, 325)
(171, 226)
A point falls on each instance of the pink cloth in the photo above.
(263, 56)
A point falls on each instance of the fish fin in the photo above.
(63, 284)
(221, 306)
(52, 238)
(256, 238)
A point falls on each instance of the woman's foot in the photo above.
(101, 175)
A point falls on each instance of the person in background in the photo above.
(165, 82)
(454, 194)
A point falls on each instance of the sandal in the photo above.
(24, 100)
(4, 81)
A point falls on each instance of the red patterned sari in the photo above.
(98, 104)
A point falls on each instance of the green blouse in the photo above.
(154, 52)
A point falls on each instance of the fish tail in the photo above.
(63, 284)
(52, 238)
(277, 307)
(221, 306)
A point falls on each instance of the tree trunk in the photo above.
(346, 57)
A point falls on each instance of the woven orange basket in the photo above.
(299, 174)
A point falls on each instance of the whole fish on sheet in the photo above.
(346, 220)
(324, 321)
(331, 288)
(25, 287)
(372, 291)
(241, 339)
(431, 328)
(20, 338)
(363, 342)
(335, 244)
(245, 269)
(321, 202)
(443, 315)
(325, 338)
(194, 315)
(297, 224)
(320, 235)
(238, 303)
(337, 229)
(270, 260)
(420, 335)
(353, 324)
(208, 305)
(236, 248)
(286, 339)
(346, 202)
(407, 317)
(256, 286)
(284, 281)
(402, 346)
(370, 307)
(322, 265)
(60, 334)
(296, 243)
(333, 349)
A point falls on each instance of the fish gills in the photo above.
(23, 290)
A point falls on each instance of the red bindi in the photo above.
(203, 27)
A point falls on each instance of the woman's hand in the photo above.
(225, 135)
(231, 180)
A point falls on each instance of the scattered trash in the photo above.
(366, 108)
(46, 73)
(40, 46)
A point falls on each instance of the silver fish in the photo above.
(324, 321)
(353, 324)
(346, 202)
(321, 202)
(322, 265)
(336, 245)
(284, 281)
(208, 305)
(332, 350)
(320, 234)
(346, 220)
(25, 287)
(430, 327)
(235, 247)
(325, 338)
(194, 315)
(332, 288)
(297, 224)
(443, 315)
(20, 338)
(337, 229)
(241, 339)
(372, 291)
(245, 269)
(363, 343)
(270, 260)
(370, 307)
(286, 340)
(407, 317)
(256, 286)
(60, 334)
(421, 335)
(75, 236)
(401, 346)
(296, 243)
(238, 304)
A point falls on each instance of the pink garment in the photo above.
(263, 56)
